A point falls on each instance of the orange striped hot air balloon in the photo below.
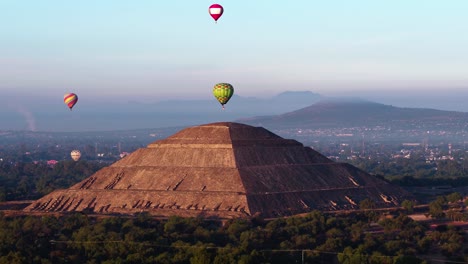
(70, 100)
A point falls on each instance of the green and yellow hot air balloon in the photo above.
(223, 92)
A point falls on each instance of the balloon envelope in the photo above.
(75, 155)
(70, 100)
(223, 92)
(216, 11)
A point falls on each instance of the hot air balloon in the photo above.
(70, 100)
(216, 11)
(223, 92)
(75, 155)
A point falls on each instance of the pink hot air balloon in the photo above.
(216, 11)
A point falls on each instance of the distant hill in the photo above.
(348, 113)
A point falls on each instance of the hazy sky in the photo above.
(154, 49)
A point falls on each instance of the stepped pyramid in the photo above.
(223, 170)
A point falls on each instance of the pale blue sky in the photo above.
(154, 50)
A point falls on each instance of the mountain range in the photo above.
(337, 113)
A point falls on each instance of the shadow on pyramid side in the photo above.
(222, 170)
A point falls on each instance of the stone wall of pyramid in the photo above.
(222, 170)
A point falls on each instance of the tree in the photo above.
(13, 258)
(435, 210)
(352, 256)
(454, 197)
(369, 205)
(408, 206)
(201, 257)
(408, 260)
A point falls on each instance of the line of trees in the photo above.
(27, 180)
(314, 238)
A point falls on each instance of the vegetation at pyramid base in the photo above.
(316, 237)
(27, 180)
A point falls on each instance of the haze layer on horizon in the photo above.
(44, 113)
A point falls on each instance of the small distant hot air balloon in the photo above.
(75, 155)
(70, 100)
(216, 11)
(223, 92)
